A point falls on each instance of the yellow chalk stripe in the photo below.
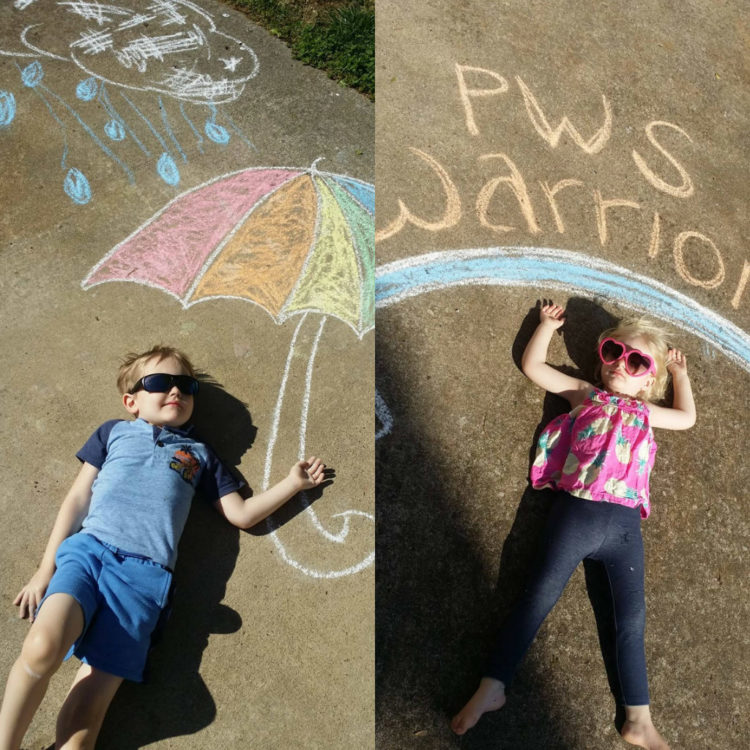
(330, 281)
(262, 261)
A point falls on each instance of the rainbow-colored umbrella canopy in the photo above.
(289, 240)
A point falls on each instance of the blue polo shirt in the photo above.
(147, 478)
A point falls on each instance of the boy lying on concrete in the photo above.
(107, 570)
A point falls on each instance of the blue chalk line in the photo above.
(564, 270)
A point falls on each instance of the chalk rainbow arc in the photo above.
(564, 270)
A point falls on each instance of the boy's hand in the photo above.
(31, 595)
(308, 474)
(552, 315)
(676, 363)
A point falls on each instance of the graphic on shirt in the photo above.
(185, 464)
(597, 454)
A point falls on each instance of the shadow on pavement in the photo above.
(436, 608)
(436, 611)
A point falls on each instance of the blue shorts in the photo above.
(122, 597)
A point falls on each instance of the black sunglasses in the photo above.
(160, 382)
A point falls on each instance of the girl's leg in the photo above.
(639, 730)
(574, 529)
(57, 626)
(622, 556)
(83, 711)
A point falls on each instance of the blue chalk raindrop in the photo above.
(216, 133)
(87, 89)
(7, 108)
(167, 169)
(32, 74)
(77, 186)
(114, 130)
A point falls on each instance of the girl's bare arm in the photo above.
(682, 414)
(534, 360)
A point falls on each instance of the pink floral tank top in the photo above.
(602, 450)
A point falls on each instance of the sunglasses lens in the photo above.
(637, 363)
(157, 383)
(611, 351)
(160, 383)
(188, 385)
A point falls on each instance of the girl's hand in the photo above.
(31, 595)
(308, 474)
(676, 362)
(552, 315)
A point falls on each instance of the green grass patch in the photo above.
(337, 36)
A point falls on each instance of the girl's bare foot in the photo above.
(490, 696)
(639, 730)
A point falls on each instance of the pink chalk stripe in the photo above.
(172, 247)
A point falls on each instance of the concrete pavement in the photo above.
(594, 154)
(109, 116)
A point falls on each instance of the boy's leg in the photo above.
(83, 711)
(58, 625)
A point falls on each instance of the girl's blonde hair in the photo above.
(131, 369)
(657, 339)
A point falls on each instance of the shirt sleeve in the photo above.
(94, 450)
(217, 480)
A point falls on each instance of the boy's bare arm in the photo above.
(304, 475)
(73, 510)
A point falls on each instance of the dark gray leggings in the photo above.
(576, 530)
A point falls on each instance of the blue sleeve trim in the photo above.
(216, 480)
(94, 450)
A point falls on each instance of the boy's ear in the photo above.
(129, 402)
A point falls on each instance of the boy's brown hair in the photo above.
(131, 369)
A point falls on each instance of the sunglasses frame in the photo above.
(194, 385)
(625, 355)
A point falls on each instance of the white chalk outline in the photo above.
(226, 90)
(346, 515)
(340, 536)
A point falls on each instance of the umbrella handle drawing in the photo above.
(340, 536)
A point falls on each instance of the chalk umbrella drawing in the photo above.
(292, 241)
(158, 50)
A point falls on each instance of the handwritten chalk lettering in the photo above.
(467, 93)
(602, 206)
(538, 119)
(486, 197)
(551, 193)
(451, 214)
(516, 183)
(744, 277)
(552, 135)
(653, 247)
(684, 190)
(681, 266)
